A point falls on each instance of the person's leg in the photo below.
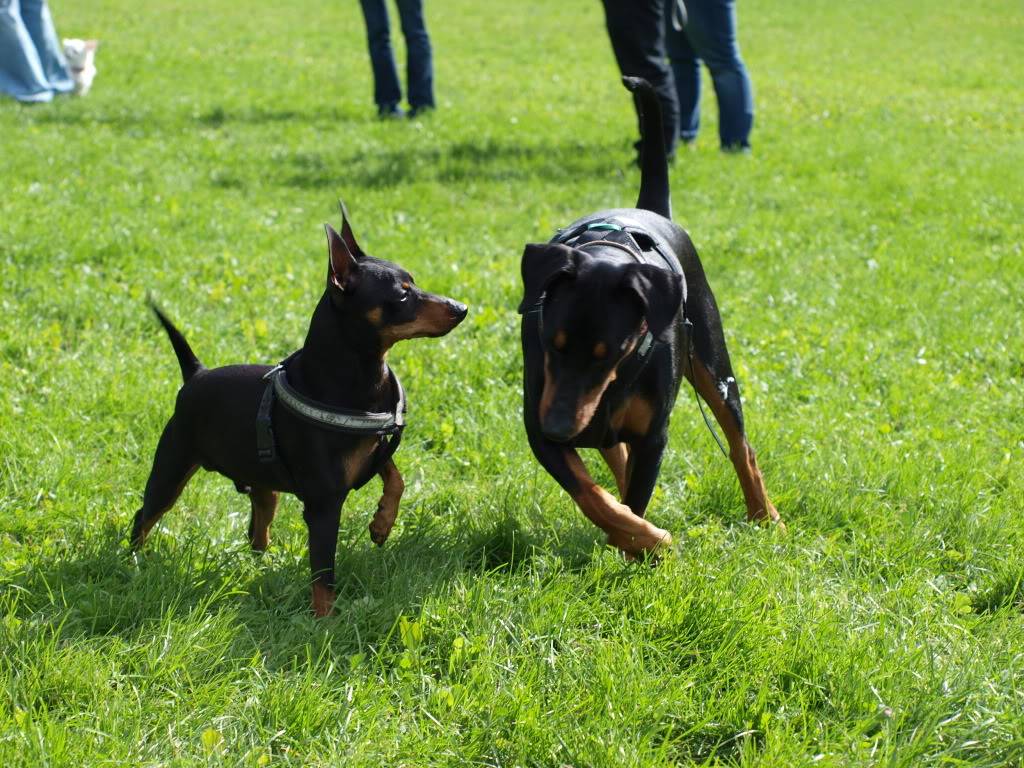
(686, 74)
(637, 32)
(387, 93)
(419, 64)
(39, 23)
(21, 71)
(712, 32)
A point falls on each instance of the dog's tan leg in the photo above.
(264, 507)
(387, 507)
(323, 600)
(759, 507)
(617, 459)
(631, 534)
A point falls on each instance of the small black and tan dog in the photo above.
(319, 425)
(616, 311)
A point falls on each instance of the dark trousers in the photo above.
(387, 91)
(710, 36)
(637, 32)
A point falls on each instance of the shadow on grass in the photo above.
(214, 117)
(462, 162)
(92, 587)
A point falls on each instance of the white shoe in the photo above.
(81, 56)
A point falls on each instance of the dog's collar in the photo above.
(339, 419)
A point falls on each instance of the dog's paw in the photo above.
(649, 545)
(381, 525)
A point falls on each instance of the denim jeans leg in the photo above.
(21, 71)
(712, 32)
(39, 23)
(387, 92)
(686, 73)
(419, 63)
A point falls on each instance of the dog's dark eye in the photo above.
(406, 291)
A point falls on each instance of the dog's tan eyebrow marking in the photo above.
(405, 285)
(600, 350)
(560, 340)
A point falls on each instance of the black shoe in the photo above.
(420, 111)
(390, 112)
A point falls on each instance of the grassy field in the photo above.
(867, 259)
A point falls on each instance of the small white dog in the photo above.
(81, 56)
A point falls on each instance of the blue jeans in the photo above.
(387, 91)
(32, 65)
(710, 35)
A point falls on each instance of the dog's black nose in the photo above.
(459, 311)
(558, 429)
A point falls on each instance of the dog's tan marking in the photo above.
(634, 416)
(547, 395)
(264, 507)
(759, 507)
(387, 507)
(374, 315)
(617, 459)
(323, 600)
(560, 340)
(631, 534)
(600, 350)
(588, 402)
(434, 319)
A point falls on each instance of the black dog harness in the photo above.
(386, 426)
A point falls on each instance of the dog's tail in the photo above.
(655, 194)
(187, 359)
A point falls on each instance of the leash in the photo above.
(696, 395)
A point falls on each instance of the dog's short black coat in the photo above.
(616, 312)
(368, 305)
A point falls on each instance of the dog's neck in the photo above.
(342, 365)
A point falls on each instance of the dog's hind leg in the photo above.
(387, 507)
(722, 395)
(264, 506)
(173, 466)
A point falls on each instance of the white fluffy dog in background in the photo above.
(81, 56)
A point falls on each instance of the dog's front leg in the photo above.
(630, 533)
(387, 507)
(322, 518)
(644, 466)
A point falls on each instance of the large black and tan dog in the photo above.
(616, 311)
(322, 423)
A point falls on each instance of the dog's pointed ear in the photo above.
(660, 293)
(341, 264)
(542, 263)
(346, 232)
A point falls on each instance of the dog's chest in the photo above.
(356, 461)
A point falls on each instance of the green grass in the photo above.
(867, 259)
